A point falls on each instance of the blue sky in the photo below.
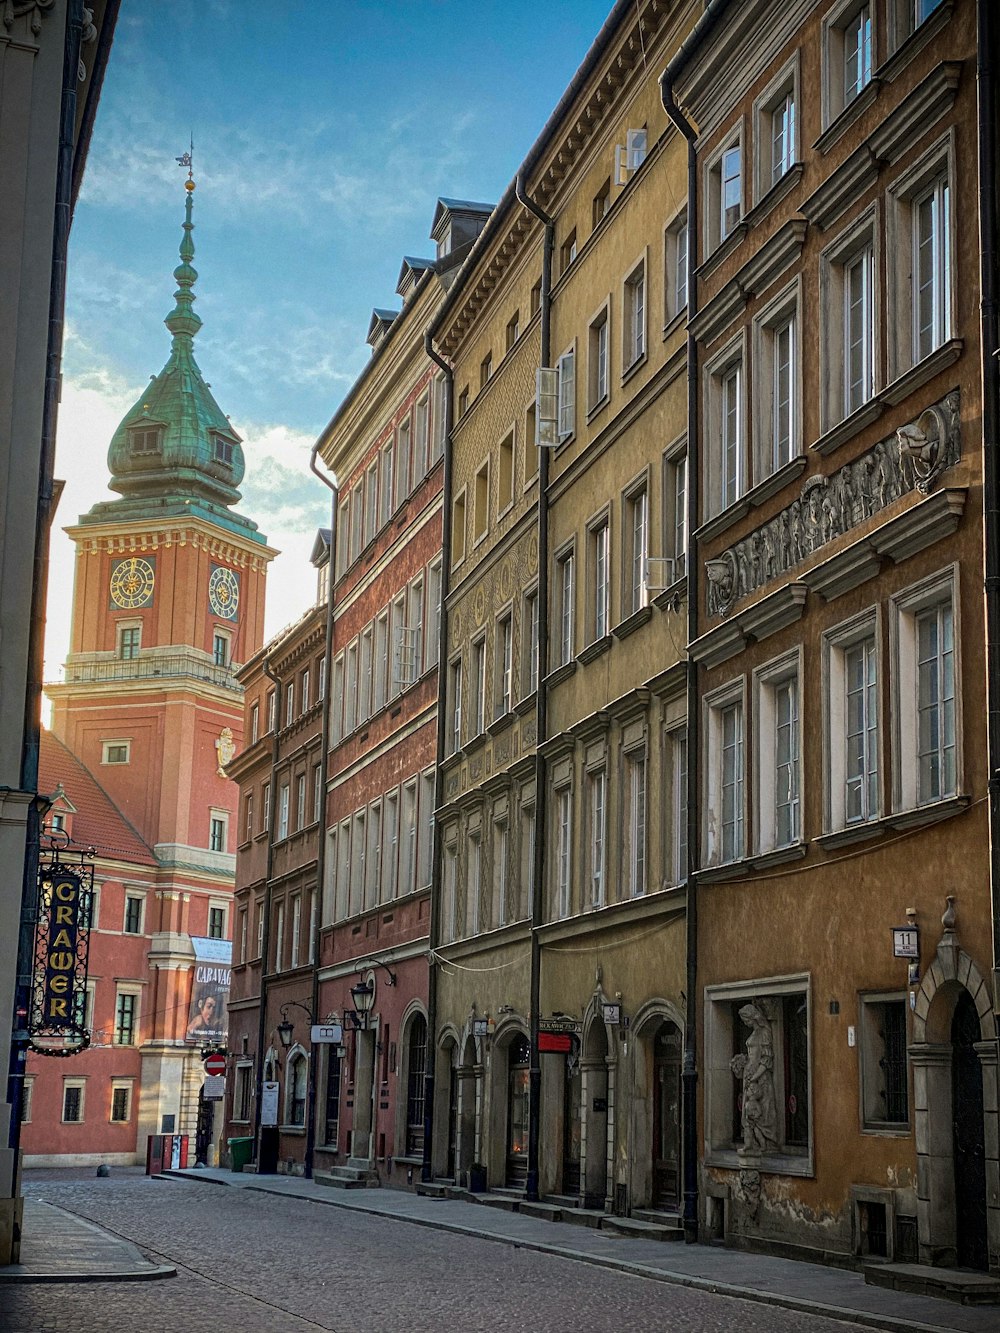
(324, 132)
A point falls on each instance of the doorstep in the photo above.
(961, 1285)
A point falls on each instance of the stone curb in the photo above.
(112, 1275)
(101, 1271)
(801, 1305)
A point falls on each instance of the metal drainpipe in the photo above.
(265, 943)
(427, 1164)
(689, 1074)
(63, 217)
(541, 714)
(989, 339)
(321, 849)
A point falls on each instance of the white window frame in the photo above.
(473, 881)
(501, 866)
(718, 226)
(778, 747)
(939, 589)
(777, 335)
(81, 1085)
(634, 315)
(675, 266)
(598, 378)
(715, 706)
(529, 641)
(776, 115)
(635, 539)
(676, 756)
(113, 747)
(455, 704)
(903, 198)
(503, 663)
(839, 26)
(599, 575)
(635, 809)
(566, 398)
(563, 858)
(597, 835)
(863, 630)
(725, 485)
(284, 803)
(505, 472)
(857, 246)
(565, 583)
(675, 515)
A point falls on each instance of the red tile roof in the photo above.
(98, 822)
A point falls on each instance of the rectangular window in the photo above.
(249, 826)
(300, 801)
(116, 752)
(458, 530)
(289, 703)
(343, 532)
(884, 1084)
(216, 923)
(371, 502)
(932, 270)
(676, 516)
(403, 461)
(440, 417)
(503, 665)
(675, 267)
(133, 914)
(529, 637)
(478, 682)
(295, 941)
(220, 649)
(857, 53)
(635, 316)
(351, 690)
(530, 443)
(254, 723)
(304, 691)
(782, 137)
(317, 810)
(244, 1089)
(780, 755)
(728, 191)
(598, 360)
(387, 460)
(564, 850)
(473, 879)
(726, 768)
(408, 839)
(126, 1016)
(129, 638)
(434, 614)
(513, 330)
(567, 251)
(381, 663)
(321, 679)
(217, 833)
(858, 329)
(597, 782)
(279, 937)
(244, 928)
(858, 678)
(284, 798)
(426, 852)
(567, 394)
(501, 871)
(678, 806)
(485, 370)
(637, 536)
(783, 394)
(602, 203)
(272, 709)
(359, 863)
(72, 1108)
(600, 580)
(935, 646)
(635, 833)
(455, 697)
(265, 814)
(565, 584)
(420, 439)
(260, 929)
(527, 850)
(481, 503)
(365, 676)
(505, 472)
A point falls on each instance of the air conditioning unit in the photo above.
(547, 407)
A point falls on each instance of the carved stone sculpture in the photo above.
(829, 507)
(756, 1072)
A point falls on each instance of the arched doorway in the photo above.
(968, 1136)
(518, 1061)
(666, 1116)
(594, 1066)
(416, 1066)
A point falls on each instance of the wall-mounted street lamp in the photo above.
(286, 1028)
(363, 997)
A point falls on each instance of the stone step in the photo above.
(432, 1190)
(509, 1202)
(548, 1212)
(564, 1200)
(961, 1285)
(584, 1217)
(636, 1229)
(343, 1178)
(661, 1217)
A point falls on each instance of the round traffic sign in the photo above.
(215, 1063)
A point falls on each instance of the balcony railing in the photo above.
(151, 667)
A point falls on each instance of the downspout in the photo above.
(32, 721)
(541, 714)
(265, 943)
(323, 771)
(689, 1073)
(989, 341)
(437, 853)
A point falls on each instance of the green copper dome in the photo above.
(176, 452)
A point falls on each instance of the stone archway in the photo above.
(952, 1009)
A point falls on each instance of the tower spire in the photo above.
(182, 321)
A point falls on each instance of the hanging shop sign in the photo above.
(328, 1034)
(57, 1021)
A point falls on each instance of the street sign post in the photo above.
(215, 1064)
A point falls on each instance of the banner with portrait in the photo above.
(208, 1016)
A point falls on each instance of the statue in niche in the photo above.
(755, 1070)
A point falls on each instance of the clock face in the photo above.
(224, 592)
(132, 583)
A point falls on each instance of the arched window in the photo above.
(416, 1065)
(295, 1090)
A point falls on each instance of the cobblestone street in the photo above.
(253, 1262)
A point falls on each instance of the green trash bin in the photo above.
(240, 1153)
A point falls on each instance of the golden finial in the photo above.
(187, 160)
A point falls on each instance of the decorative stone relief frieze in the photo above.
(829, 507)
(15, 9)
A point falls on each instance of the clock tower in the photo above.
(168, 603)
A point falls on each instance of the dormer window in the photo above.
(222, 450)
(146, 441)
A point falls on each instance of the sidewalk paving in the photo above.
(834, 1292)
(57, 1246)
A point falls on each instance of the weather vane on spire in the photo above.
(186, 160)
